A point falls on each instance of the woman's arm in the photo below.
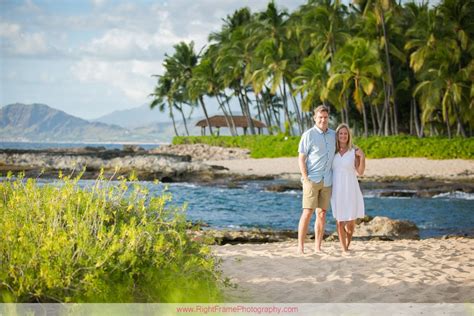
(359, 161)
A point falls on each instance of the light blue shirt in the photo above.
(319, 148)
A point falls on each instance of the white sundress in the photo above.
(347, 202)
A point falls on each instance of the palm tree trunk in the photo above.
(170, 107)
(226, 115)
(458, 120)
(180, 109)
(297, 111)
(346, 108)
(447, 126)
(379, 120)
(228, 118)
(374, 124)
(205, 114)
(287, 113)
(364, 115)
(248, 114)
(266, 117)
(231, 115)
(386, 104)
(389, 70)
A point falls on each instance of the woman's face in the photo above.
(343, 136)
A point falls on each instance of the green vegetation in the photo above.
(110, 242)
(265, 146)
(385, 66)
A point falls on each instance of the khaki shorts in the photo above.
(316, 195)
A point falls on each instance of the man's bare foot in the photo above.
(316, 249)
(300, 251)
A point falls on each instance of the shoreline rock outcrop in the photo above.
(368, 228)
(147, 165)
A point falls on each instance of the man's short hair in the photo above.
(321, 108)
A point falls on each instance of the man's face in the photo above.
(322, 120)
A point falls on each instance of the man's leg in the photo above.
(324, 197)
(319, 225)
(303, 228)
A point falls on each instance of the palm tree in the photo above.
(356, 66)
(205, 80)
(438, 59)
(380, 8)
(233, 58)
(311, 80)
(320, 28)
(179, 67)
(271, 56)
(161, 93)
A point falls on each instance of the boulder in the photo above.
(381, 226)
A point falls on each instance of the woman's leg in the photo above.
(349, 230)
(342, 235)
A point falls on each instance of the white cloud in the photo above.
(133, 78)
(29, 7)
(111, 50)
(9, 30)
(98, 3)
(17, 42)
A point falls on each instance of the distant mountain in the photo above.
(39, 122)
(134, 117)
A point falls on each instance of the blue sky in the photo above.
(91, 57)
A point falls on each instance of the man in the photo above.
(316, 153)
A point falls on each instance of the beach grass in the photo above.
(109, 242)
(268, 146)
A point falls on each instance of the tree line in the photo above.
(382, 67)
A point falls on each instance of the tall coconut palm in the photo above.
(205, 80)
(322, 29)
(233, 57)
(163, 98)
(179, 68)
(380, 9)
(356, 66)
(311, 80)
(271, 56)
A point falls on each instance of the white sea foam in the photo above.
(455, 195)
(183, 184)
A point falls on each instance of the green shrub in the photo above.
(260, 146)
(111, 242)
(267, 146)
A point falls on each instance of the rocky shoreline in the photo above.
(369, 228)
(389, 187)
(146, 164)
(193, 163)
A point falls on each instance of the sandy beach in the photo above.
(403, 271)
(425, 271)
(450, 169)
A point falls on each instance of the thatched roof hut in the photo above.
(219, 121)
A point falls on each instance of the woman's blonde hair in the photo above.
(349, 136)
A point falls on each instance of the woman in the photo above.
(347, 202)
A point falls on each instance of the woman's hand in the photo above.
(359, 153)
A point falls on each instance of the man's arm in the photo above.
(302, 165)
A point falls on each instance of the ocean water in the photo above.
(251, 206)
(45, 145)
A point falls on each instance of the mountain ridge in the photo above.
(40, 122)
